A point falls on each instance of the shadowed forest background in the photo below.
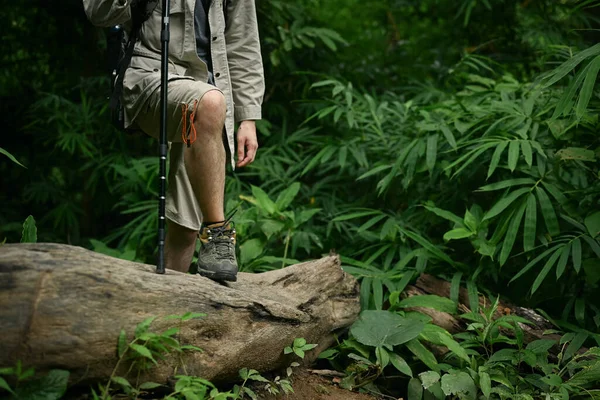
(453, 137)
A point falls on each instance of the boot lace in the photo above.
(222, 238)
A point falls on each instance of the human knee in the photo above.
(211, 112)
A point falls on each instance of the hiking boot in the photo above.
(216, 258)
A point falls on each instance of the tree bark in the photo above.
(63, 307)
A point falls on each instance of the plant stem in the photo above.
(287, 244)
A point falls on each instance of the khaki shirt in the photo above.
(235, 51)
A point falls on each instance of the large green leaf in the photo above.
(423, 354)
(460, 384)
(29, 234)
(400, 364)
(286, 197)
(415, 390)
(263, 201)
(441, 337)
(251, 249)
(49, 387)
(384, 328)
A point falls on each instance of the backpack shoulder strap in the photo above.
(141, 10)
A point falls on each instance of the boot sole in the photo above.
(217, 276)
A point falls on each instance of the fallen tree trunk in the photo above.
(427, 284)
(63, 307)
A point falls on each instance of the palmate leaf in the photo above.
(445, 214)
(566, 67)
(472, 156)
(562, 262)
(564, 104)
(504, 202)
(527, 152)
(533, 262)
(530, 223)
(547, 267)
(448, 135)
(506, 183)
(513, 155)
(496, 158)
(430, 247)
(511, 234)
(576, 254)
(588, 87)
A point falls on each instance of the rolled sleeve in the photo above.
(248, 113)
(105, 13)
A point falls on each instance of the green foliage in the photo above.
(11, 157)
(143, 352)
(500, 366)
(299, 347)
(29, 234)
(456, 138)
(268, 223)
(28, 386)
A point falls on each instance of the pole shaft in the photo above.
(164, 36)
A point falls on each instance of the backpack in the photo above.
(120, 45)
(120, 50)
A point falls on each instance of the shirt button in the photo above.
(218, 74)
(214, 38)
(155, 69)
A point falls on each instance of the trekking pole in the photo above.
(164, 38)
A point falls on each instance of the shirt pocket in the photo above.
(152, 28)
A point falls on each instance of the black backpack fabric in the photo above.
(120, 46)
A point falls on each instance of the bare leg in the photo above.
(180, 244)
(205, 167)
(205, 160)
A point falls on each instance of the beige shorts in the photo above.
(181, 204)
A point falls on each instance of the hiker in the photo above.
(216, 80)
